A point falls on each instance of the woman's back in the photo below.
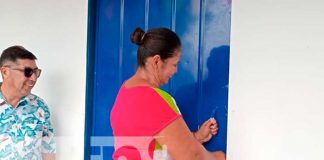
(138, 114)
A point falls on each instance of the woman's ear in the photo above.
(156, 59)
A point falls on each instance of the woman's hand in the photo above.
(206, 131)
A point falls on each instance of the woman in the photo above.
(146, 121)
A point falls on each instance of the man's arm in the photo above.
(48, 156)
(48, 144)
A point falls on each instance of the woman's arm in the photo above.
(182, 145)
(206, 131)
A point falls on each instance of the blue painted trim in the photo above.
(173, 14)
(121, 42)
(147, 11)
(91, 34)
(172, 27)
(201, 52)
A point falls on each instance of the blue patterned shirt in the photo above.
(25, 131)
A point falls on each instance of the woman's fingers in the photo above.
(214, 128)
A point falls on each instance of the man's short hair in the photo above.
(13, 53)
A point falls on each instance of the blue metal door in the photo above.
(201, 85)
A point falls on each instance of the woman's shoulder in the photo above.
(145, 90)
(143, 87)
(136, 85)
(136, 88)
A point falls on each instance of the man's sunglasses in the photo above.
(28, 72)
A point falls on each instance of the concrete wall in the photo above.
(276, 84)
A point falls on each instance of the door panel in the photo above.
(201, 85)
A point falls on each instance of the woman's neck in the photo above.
(144, 77)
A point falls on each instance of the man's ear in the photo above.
(4, 72)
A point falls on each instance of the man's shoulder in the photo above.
(36, 99)
(32, 96)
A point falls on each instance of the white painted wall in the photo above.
(55, 31)
(276, 79)
(276, 104)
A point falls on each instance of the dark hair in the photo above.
(156, 41)
(15, 52)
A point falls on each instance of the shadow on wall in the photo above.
(214, 98)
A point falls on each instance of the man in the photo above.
(25, 126)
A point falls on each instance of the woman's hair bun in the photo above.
(137, 36)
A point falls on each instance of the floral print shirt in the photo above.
(25, 131)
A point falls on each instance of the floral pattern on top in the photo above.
(25, 131)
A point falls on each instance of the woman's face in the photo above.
(168, 67)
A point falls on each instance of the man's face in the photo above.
(16, 79)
